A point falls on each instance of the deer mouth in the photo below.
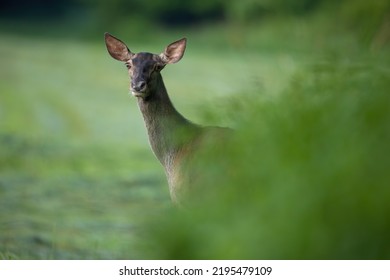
(138, 93)
(139, 89)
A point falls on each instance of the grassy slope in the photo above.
(76, 173)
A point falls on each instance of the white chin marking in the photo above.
(137, 94)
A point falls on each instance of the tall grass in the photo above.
(305, 177)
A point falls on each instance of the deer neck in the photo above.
(167, 129)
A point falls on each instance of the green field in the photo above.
(311, 105)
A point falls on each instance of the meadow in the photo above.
(310, 105)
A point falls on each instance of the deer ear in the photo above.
(116, 48)
(174, 52)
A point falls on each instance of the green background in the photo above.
(304, 83)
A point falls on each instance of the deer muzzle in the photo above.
(139, 88)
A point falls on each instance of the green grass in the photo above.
(78, 179)
(76, 171)
(304, 178)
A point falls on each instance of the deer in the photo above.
(174, 140)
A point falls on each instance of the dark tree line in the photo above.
(162, 11)
(369, 18)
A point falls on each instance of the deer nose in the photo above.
(139, 86)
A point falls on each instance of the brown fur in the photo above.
(174, 140)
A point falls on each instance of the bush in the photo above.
(369, 19)
(307, 176)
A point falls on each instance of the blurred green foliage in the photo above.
(305, 178)
(147, 20)
(369, 18)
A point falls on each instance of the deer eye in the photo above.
(128, 65)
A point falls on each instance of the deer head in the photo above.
(144, 68)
